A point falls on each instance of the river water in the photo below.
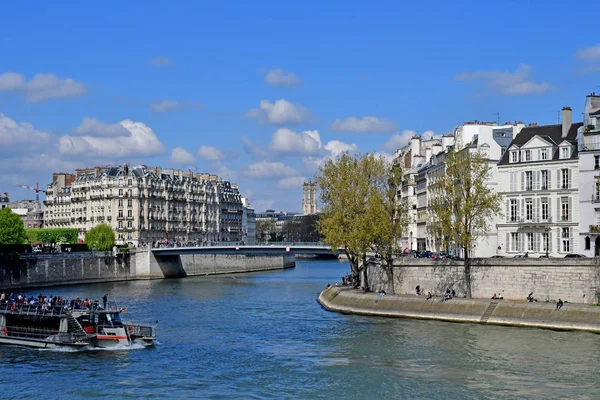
(263, 335)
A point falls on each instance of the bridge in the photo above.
(298, 249)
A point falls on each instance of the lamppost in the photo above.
(411, 241)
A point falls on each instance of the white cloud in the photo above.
(292, 182)
(226, 173)
(516, 83)
(278, 113)
(210, 153)
(398, 140)
(169, 105)
(42, 86)
(140, 142)
(305, 143)
(181, 156)
(337, 147)
(93, 127)
(254, 150)
(278, 77)
(262, 204)
(161, 61)
(363, 125)
(589, 53)
(20, 137)
(269, 170)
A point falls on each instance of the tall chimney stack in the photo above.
(567, 118)
(415, 149)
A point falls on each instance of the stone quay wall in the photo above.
(572, 280)
(39, 270)
(500, 312)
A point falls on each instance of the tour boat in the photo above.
(57, 326)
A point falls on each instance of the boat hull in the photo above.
(40, 344)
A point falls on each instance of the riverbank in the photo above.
(495, 312)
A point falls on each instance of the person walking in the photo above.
(104, 301)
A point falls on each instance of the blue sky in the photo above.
(262, 92)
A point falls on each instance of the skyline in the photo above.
(259, 97)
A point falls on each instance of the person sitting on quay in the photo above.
(418, 289)
(559, 304)
(530, 298)
(429, 296)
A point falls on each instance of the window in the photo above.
(597, 192)
(513, 181)
(528, 210)
(587, 242)
(514, 241)
(565, 152)
(120, 182)
(529, 180)
(130, 213)
(129, 182)
(513, 157)
(545, 209)
(530, 241)
(564, 173)
(545, 180)
(513, 210)
(120, 224)
(596, 162)
(129, 203)
(120, 192)
(543, 154)
(129, 192)
(129, 224)
(527, 155)
(120, 213)
(120, 202)
(545, 241)
(564, 209)
(566, 245)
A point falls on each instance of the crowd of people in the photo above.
(48, 303)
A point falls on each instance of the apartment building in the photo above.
(248, 222)
(144, 205)
(589, 178)
(538, 177)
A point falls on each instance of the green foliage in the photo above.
(462, 206)
(265, 231)
(12, 230)
(358, 193)
(51, 235)
(101, 237)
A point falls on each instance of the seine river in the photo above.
(263, 335)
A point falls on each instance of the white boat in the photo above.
(58, 326)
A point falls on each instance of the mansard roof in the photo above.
(551, 133)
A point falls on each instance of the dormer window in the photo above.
(565, 152)
(527, 155)
(514, 157)
(543, 154)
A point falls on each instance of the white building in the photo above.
(309, 198)
(144, 205)
(248, 222)
(589, 178)
(539, 176)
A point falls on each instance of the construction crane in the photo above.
(36, 188)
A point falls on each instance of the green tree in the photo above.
(351, 193)
(462, 206)
(51, 235)
(265, 230)
(12, 230)
(101, 237)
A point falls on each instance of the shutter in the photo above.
(569, 173)
(549, 241)
(558, 209)
(536, 243)
(522, 208)
(520, 238)
(507, 210)
(549, 175)
(549, 209)
(539, 154)
(512, 181)
(558, 178)
(570, 215)
(507, 244)
(558, 235)
(538, 211)
(522, 181)
(571, 241)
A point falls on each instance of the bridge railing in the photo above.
(238, 244)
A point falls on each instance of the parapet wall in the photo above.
(502, 312)
(572, 280)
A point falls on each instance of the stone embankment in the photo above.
(26, 271)
(494, 312)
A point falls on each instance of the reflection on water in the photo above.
(263, 335)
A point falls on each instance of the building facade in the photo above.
(145, 205)
(539, 175)
(309, 198)
(248, 222)
(30, 211)
(589, 178)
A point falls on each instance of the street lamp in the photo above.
(411, 241)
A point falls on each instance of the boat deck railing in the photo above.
(141, 330)
(45, 334)
(39, 309)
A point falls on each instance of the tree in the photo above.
(351, 194)
(462, 205)
(265, 230)
(51, 235)
(12, 230)
(101, 237)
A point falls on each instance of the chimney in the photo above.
(427, 154)
(567, 118)
(446, 142)
(437, 148)
(415, 148)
